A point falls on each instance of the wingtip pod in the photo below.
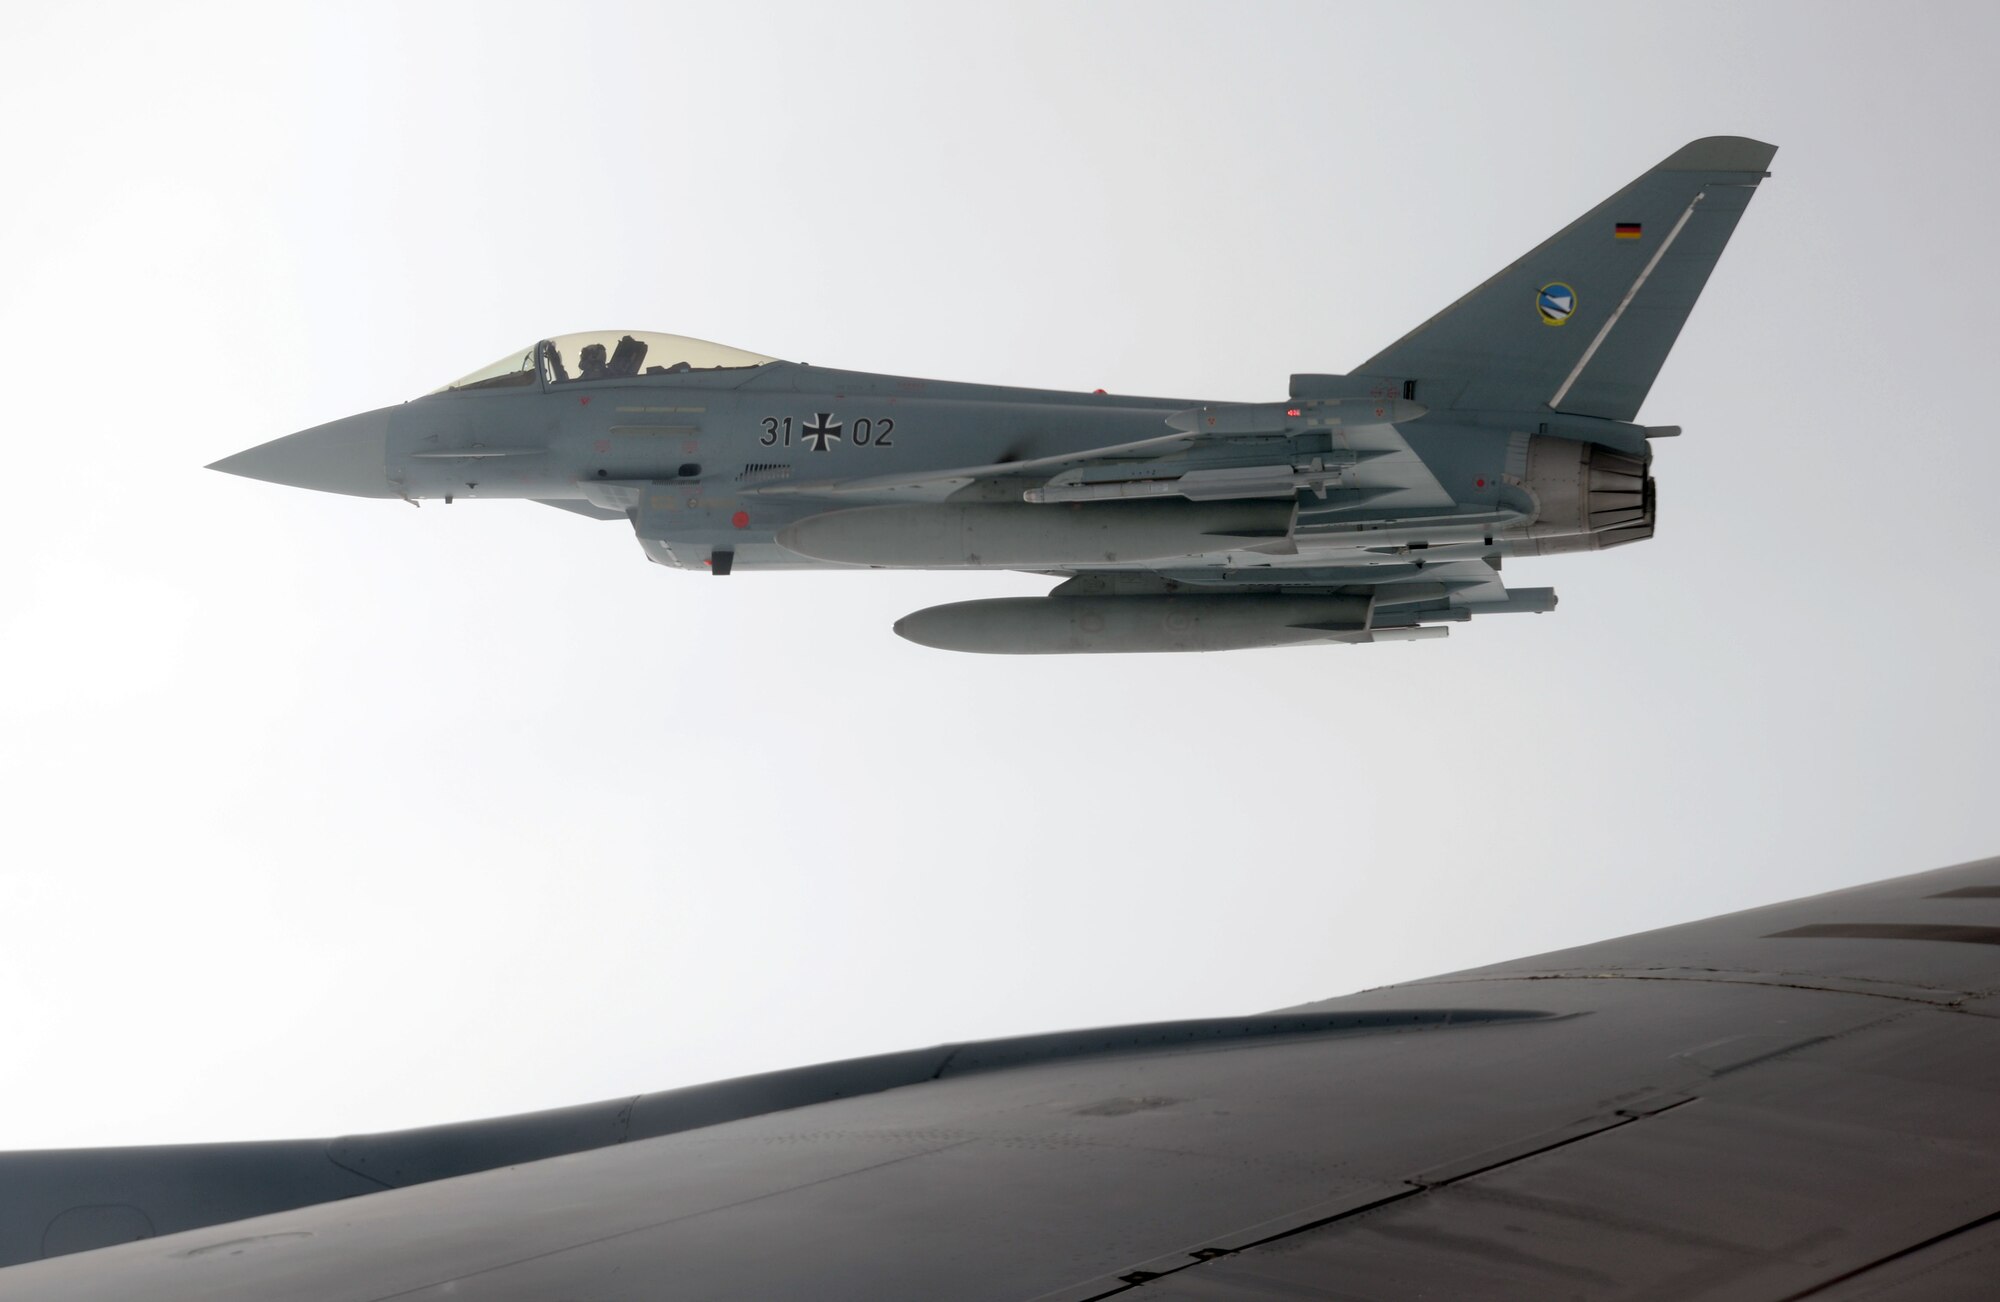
(1721, 154)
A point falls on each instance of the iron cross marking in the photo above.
(823, 429)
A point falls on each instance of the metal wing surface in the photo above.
(1800, 1101)
(936, 485)
(1211, 442)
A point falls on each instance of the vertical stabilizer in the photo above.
(1583, 323)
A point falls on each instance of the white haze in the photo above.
(325, 815)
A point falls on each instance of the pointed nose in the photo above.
(343, 456)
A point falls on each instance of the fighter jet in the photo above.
(1798, 1101)
(1365, 507)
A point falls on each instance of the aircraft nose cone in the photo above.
(342, 456)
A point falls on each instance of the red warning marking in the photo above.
(742, 518)
(1479, 483)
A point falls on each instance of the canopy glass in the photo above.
(604, 355)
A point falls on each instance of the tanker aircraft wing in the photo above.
(1793, 1102)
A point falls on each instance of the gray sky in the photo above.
(325, 815)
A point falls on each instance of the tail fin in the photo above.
(1583, 323)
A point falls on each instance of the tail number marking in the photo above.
(823, 431)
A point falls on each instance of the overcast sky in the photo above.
(324, 815)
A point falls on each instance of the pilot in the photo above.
(590, 363)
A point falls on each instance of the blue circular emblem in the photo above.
(1556, 302)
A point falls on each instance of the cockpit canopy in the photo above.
(604, 355)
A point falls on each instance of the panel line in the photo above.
(1625, 302)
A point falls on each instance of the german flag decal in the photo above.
(1625, 231)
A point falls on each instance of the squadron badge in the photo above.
(1556, 302)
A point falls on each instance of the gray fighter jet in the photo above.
(1367, 507)
(1799, 1101)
